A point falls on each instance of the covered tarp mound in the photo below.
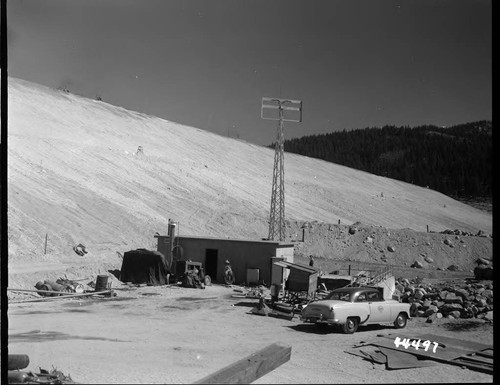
(144, 266)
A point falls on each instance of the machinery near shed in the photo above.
(192, 274)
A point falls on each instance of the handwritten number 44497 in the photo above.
(406, 343)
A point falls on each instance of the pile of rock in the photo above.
(480, 233)
(469, 300)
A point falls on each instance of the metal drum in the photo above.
(101, 283)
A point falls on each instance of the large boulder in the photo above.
(415, 306)
(431, 310)
(480, 302)
(448, 242)
(449, 307)
(462, 293)
(453, 298)
(427, 303)
(434, 317)
(455, 314)
(419, 293)
(483, 272)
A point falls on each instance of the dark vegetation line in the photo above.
(456, 161)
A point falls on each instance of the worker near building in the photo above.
(311, 260)
(228, 273)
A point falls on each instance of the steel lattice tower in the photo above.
(277, 213)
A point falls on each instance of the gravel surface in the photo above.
(178, 335)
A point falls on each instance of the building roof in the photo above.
(290, 265)
(277, 243)
(335, 276)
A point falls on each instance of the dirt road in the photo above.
(170, 334)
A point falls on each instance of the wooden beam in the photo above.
(62, 296)
(252, 367)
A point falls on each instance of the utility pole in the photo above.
(277, 212)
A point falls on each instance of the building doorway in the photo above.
(211, 257)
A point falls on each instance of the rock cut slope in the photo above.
(75, 175)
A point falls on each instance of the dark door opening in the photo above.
(211, 256)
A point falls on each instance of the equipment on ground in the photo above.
(192, 274)
(144, 266)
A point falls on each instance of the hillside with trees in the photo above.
(456, 161)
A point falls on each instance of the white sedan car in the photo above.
(350, 307)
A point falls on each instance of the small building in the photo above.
(252, 261)
(301, 278)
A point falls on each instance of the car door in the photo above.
(379, 310)
(360, 307)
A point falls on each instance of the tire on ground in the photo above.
(400, 321)
(351, 325)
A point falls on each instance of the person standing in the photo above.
(228, 273)
(311, 261)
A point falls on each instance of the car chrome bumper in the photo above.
(319, 320)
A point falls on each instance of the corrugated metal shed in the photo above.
(301, 278)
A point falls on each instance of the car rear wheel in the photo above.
(351, 325)
(400, 321)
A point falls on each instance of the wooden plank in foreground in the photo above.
(252, 367)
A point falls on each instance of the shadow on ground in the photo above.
(246, 304)
(315, 329)
(464, 325)
(41, 336)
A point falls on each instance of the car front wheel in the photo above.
(400, 321)
(350, 326)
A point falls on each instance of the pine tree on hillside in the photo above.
(456, 161)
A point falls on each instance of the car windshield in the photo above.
(339, 295)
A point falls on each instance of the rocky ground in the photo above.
(335, 247)
(454, 299)
(452, 253)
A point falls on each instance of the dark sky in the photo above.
(208, 63)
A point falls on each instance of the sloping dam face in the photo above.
(75, 175)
